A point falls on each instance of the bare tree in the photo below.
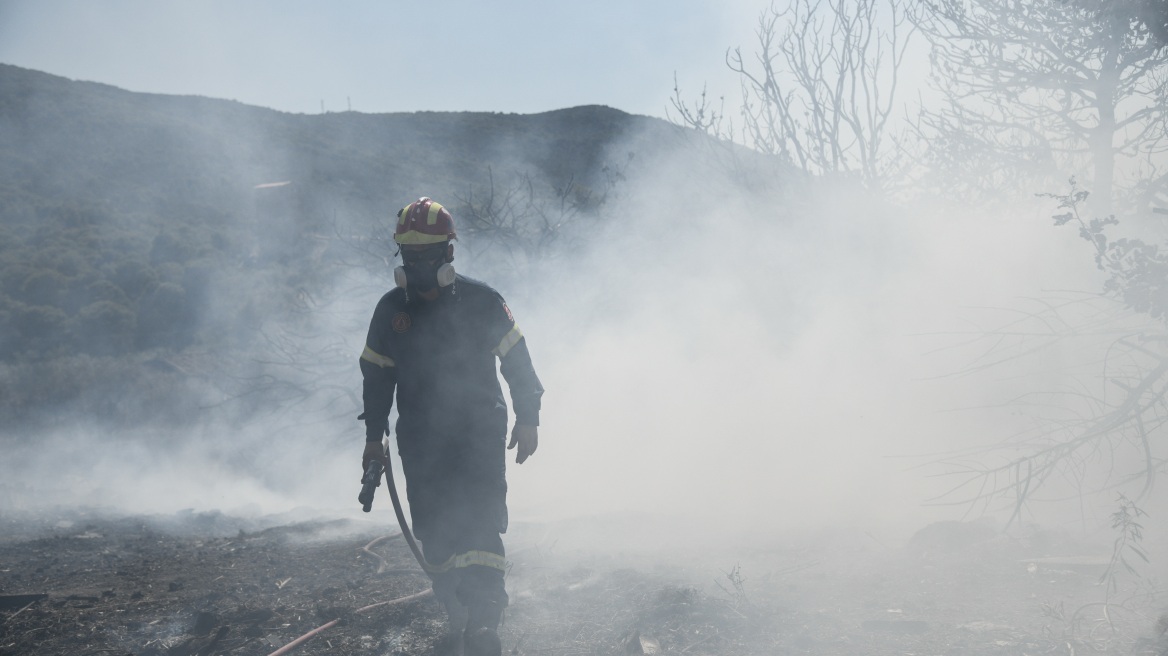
(1048, 88)
(516, 225)
(1104, 427)
(1099, 431)
(821, 91)
(701, 114)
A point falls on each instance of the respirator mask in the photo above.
(424, 269)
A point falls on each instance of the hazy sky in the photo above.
(508, 56)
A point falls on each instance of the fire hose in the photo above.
(369, 484)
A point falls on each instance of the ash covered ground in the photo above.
(203, 584)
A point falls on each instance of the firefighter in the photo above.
(434, 340)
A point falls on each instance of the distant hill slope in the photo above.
(122, 215)
(81, 142)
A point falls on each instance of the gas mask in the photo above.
(424, 269)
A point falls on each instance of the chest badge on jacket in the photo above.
(400, 322)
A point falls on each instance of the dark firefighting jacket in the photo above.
(440, 357)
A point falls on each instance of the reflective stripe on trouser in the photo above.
(482, 558)
(472, 577)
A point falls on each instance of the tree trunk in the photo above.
(1102, 148)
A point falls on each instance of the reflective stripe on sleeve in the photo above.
(509, 340)
(483, 558)
(376, 358)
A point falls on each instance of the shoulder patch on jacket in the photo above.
(400, 322)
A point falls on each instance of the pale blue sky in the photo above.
(508, 56)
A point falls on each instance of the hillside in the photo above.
(124, 215)
(78, 141)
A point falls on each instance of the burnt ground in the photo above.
(207, 584)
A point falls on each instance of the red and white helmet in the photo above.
(424, 222)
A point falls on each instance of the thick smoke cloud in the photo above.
(750, 358)
(761, 363)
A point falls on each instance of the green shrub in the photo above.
(165, 318)
(103, 328)
(39, 323)
(134, 277)
(43, 287)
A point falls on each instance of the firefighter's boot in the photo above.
(481, 637)
(456, 616)
(451, 642)
(456, 613)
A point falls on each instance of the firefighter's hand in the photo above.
(526, 438)
(373, 451)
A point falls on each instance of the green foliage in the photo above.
(103, 328)
(104, 290)
(165, 318)
(1137, 271)
(133, 277)
(116, 391)
(43, 287)
(40, 325)
(1129, 536)
(1124, 15)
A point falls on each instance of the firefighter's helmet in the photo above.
(424, 222)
